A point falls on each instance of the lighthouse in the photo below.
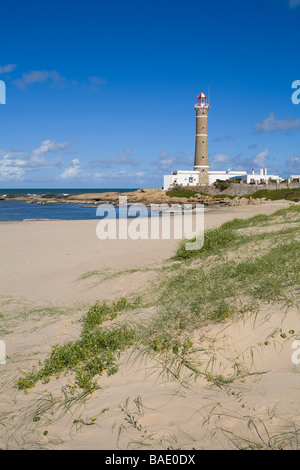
(201, 175)
(201, 163)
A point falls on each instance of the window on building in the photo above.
(190, 179)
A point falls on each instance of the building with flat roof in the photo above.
(294, 178)
(261, 177)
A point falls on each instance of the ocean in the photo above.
(12, 210)
(60, 191)
(21, 210)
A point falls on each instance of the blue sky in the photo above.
(101, 94)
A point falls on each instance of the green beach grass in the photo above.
(289, 194)
(193, 288)
(244, 266)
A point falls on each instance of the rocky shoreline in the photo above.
(140, 196)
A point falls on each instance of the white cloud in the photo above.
(294, 3)
(15, 164)
(221, 158)
(53, 78)
(224, 138)
(124, 159)
(11, 167)
(258, 161)
(166, 161)
(7, 68)
(136, 176)
(218, 161)
(39, 76)
(260, 158)
(37, 158)
(98, 81)
(271, 124)
(293, 164)
(72, 171)
(75, 170)
(49, 146)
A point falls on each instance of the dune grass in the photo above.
(227, 277)
(94, 352)
(233, 274)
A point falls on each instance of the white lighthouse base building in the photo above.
(191, 178)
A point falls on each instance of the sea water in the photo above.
(13, 210)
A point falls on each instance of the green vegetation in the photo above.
(229, 276)
(262, 438)
(90, 355)
(223, 196)
(184, 306)
(213, 239)
(276, 194)
(256, 220)
(108, 274)
(244, 264)
(288, 194)
(187, 193)
(222, 185)
(184, 192)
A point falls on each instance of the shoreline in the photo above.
(145, 197)
(53, 209)
(267, 205)
(42, 259)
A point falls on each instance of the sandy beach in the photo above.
(41, 261)
(61, 266)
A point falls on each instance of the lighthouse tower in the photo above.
(201, 163)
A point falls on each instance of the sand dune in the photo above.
(63, 264)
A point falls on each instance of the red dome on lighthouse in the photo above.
(202, 101)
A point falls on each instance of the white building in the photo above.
(191, 178)
(262, 177)
(295, 178)
(225, 175)
(181, 178)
